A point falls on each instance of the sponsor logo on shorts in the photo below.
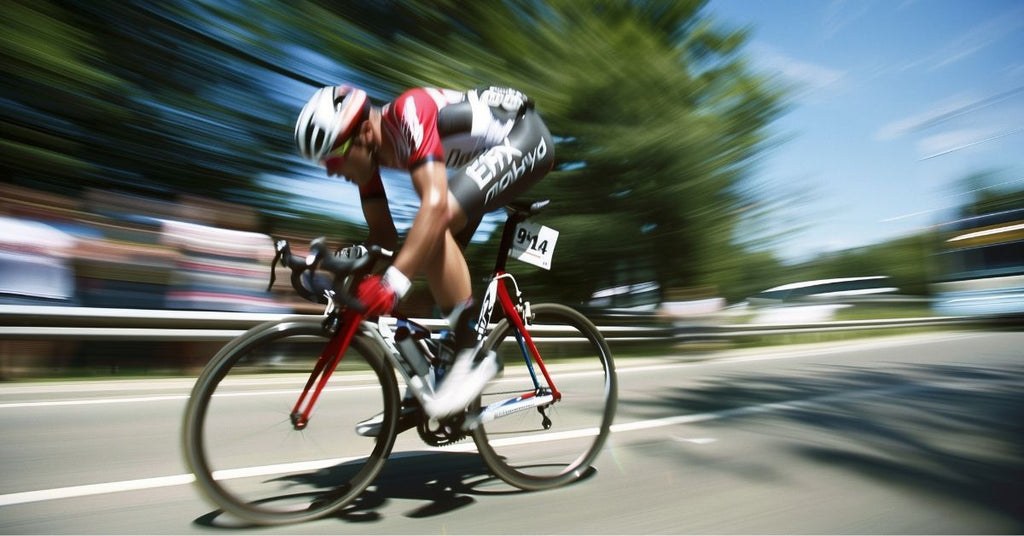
(485, 169)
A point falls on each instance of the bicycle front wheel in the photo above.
(240, 442)
(537, 440)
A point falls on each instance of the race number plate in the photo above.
(534, 244)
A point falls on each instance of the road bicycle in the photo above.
(257, 452)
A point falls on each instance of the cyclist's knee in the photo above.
(457, 217)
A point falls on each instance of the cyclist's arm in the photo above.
(377, 214)
(431, 221)
(382, 227)
(415, 113)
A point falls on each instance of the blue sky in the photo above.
(895, 100)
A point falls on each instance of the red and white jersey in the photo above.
(453, 127)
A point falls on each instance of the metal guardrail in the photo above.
(734, 331)
(86, 323)
(80, 323)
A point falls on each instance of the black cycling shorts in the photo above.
(500, 174)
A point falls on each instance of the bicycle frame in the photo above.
(498, 417)
(517, 313)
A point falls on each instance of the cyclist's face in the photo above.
(355, 162)
(344, 159)
(335, 160)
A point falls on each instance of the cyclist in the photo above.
(467, 153)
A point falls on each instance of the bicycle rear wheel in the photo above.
(535, 450)
(241, 445)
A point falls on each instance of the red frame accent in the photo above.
(325, 365)
(510, 313)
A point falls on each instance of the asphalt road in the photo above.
(910, 434)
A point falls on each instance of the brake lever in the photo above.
(281, 252)
(317, 251)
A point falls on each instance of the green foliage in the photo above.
(657, 114)
(658, 117)
(985, 192)
(51, 61)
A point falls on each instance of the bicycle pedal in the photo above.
(471, 420)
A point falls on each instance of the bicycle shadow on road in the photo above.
(443, 481)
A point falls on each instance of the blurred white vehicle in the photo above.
(839, 290)
(818, 300)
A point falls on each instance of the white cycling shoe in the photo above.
(463, 382)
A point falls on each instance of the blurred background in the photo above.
(148, 160)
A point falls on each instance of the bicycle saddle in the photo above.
(527, 208)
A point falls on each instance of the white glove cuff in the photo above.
(394, 278)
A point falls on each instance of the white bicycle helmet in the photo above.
(330, 118)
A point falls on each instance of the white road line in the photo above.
(155, 384)
(255, 392)
(696, 440)
(184, 479)
(94, 489)
(165, 398)
(91, 401)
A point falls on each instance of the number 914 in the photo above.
(530, 241)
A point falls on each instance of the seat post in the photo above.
(518, 212)
(507, 235)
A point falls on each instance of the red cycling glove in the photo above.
(379, 294)
(378, 297)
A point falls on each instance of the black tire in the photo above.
(518, 448)
(239, 441)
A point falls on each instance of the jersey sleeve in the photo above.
(417, 113)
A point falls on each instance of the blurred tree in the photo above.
(658, 117)
(54, 88)
(153, 98)
(985, 192)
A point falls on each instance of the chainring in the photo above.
(446, 432)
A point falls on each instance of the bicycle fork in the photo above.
(325, 365)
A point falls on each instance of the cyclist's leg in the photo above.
(448, 274)
(478, 188)
(448, 278)
(488, 182)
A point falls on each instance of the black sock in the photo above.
(463, 319)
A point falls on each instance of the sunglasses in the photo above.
(337, 156)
